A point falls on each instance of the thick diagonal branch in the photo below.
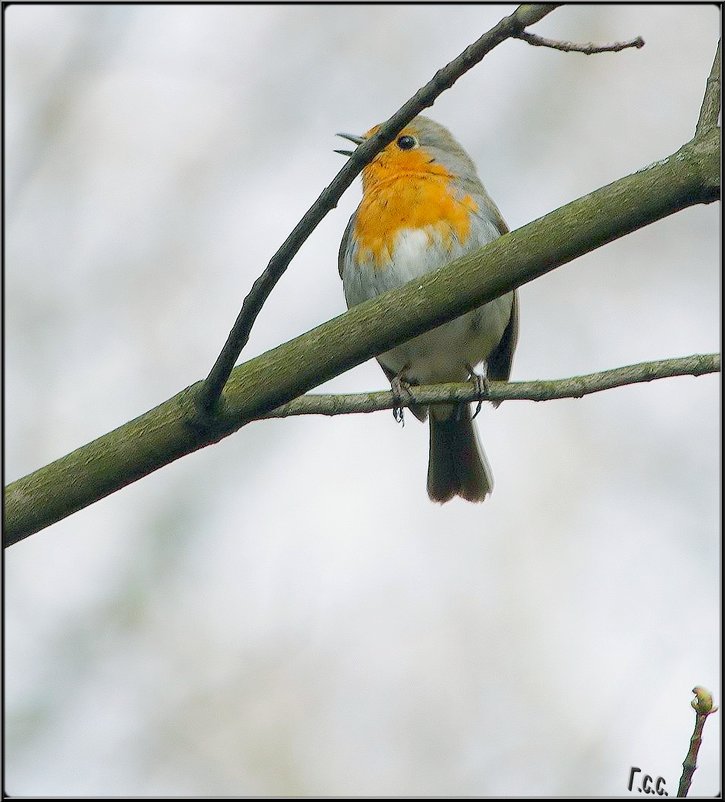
(162, 435)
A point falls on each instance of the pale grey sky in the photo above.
(285, 613)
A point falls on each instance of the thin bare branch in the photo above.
(509, 27)
(710, 109)
(572, 47)
(576, 387)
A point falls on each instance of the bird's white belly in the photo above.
(446, 352)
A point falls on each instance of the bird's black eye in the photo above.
(407, 142)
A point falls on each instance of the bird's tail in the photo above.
(457, 464)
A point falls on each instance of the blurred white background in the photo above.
(285, 613)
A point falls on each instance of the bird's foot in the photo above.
(482, 387)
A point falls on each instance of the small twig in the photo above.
(710, 108)
(443, 79)
(576, 387)
(702, 704)
(572, 47)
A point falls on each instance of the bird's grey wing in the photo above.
(498, 365)
(344, 245)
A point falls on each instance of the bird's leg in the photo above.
(399, 386)
(482, 386)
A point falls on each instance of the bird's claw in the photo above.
(398, 387)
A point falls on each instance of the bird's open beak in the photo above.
(353, 138)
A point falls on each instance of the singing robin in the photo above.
(423, 205)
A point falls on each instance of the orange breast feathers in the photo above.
(406, 190)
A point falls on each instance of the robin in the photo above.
(423, 206)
